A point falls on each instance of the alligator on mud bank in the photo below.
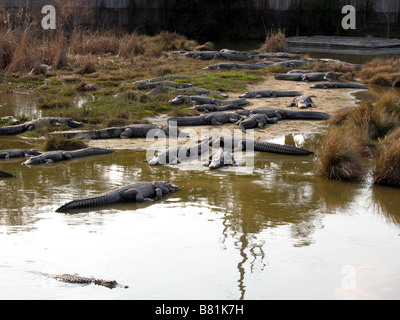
(32, 125)
(216, 119)
(18, 153)
(136, 192)
(56, 156)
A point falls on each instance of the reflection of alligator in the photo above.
(331, 85)
(18, 153)
(5, 175)
(239, 144)
(54, 156)
(256, 121)
(270, 94)
(31, 125)
(180, 154)
(309, 77)
(282, 114)
(215, 119)
(206, 108)
(132, 131)
(193, 100)
(136, 192)
(220, 159)
(303, 102)
(68, 278)
(197, 91)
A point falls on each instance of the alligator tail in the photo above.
(280, 149)
(92, 202)
(186, 122)
(299, 115)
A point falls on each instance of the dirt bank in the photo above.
(328, 101)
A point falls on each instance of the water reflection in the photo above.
(19, 104)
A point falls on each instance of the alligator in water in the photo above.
(128, 132)
(215, 119)
(6, 175)
(331, 85)
(256, 121)
(239, 144)
(31, 125)
(73, 279)
(18, 153)
(303, 102)
(282, 114)
(270, 94)
(219, 159)
(198, 100)
(194, 91)
(180, 154)
(55, 156)
(136, 192)
(309, 77)
(206, 108)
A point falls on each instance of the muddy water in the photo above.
(274, 231)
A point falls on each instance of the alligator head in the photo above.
(166, 187)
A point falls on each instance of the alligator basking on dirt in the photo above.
(161, 84)
(309, 77)
(18, 153)
(180, 154)
(215, 119)
(56, 156)
(256, 121)
(73, 279)
(219, 159)
(235, 144)
(152, 80)
(282, 114)
(31, 125)
(270, 94)
(206, 108)
(130, 132)
(303, 102)
(136, 192)
(230, 66)
(331, 85)
(194, 91)
(5, 175)
(199, 100)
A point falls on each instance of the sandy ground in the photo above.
(327, 101)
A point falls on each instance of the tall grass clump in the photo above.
(382, 72)
(341, 157)
(275, 42)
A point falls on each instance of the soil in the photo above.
(327, 101)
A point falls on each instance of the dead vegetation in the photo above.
(275, 42)
(382, 72)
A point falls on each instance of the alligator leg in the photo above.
(133, 194)
(126, 134)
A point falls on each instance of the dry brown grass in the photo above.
(341, 157)
(387, 163)
(349, 72)
(275, 42)
(382, 72)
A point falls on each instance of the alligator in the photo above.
(160, 84)
(219, 159)
(197, 91)
(215, 119)
(193, 100)
(128, 132)
(230, 66)
(179, 154)
(73, 279)
(31, 125)
(270, 94)
(206, 108)
(292, 64)
(55, 156)
(282, 114)
(331, 85)
(11, 119)
(303, 102)
(256, 121)
(136, 192)
(6, 175)
(239, 144)
(18, 153)
(169, 78)
(309, 77)
(299, 71)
